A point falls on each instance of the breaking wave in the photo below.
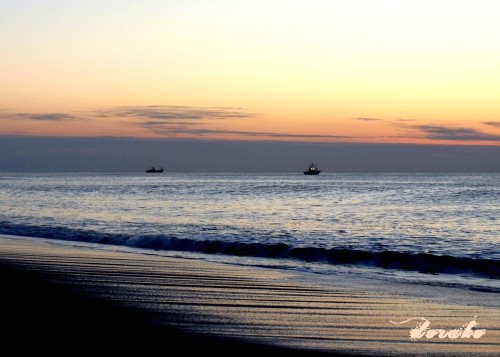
(420, 262)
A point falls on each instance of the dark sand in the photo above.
(107, 301)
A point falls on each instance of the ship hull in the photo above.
(312, 172)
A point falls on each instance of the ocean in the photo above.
(438, 229)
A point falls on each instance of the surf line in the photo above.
(422, 329)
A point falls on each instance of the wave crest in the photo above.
(421, 262)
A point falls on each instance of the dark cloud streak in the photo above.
(173, 112)
(368, 119)
(492, 123)
(152, 124)
(436, 132)
(169, 129)
(40, 116)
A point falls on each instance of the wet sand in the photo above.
(110, 300)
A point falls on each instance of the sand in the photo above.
(115, 300)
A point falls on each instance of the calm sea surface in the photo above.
(431, 228)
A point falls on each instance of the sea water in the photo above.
(426, 228)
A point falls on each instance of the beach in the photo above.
(101, 297)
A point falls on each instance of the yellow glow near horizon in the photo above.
(306, 68)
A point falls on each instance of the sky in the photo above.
(319, 71)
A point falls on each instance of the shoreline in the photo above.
(82, 293)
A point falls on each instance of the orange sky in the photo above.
(350, 71)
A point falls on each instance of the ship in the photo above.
(154, 170)
(312, 169)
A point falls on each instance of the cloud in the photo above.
(405, 120)
(189, 129)
(168, 113)
(39, 116)
(368, 119)
(52, 117)
(16, 133)
(185, 120)
(154, 123)
(492, 123)
(436, 132)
